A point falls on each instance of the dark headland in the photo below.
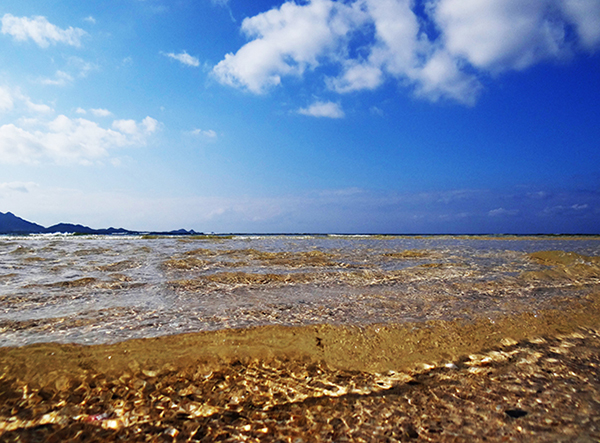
(12, 224)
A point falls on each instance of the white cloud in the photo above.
(440, 77)
(323, 109)
(501, 211)
(287, 41)
(184, 58)
(61, 78)
(101, 112)
(500, 35)
(132, 128)
(126, 126)
(585, 15)
(38, 107)
(208, 133)
(82, 67)
(374, 110)
(66, 140)
(224, 4)
(150, 125)
(357, 76)
(371, 41)
(76, 66)
(394, 50)
(81, 111)
(40, 30)
(10, 98)
(580, 207)
(21, 187)
(6, 101)
(90, 19)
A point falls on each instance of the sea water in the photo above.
(104, 289)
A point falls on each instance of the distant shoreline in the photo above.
(11, 224)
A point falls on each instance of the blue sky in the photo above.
(358, 116)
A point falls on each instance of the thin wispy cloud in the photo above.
(6, 100)
(184, 58)
(323, 109)
(75, 67)
(341, 210)
(206, 134)
(80, 66)
(61, 78)
(224, 4)
(499, 212)
(40, 30)
(9, 98)
(38, 107)
(475, 38)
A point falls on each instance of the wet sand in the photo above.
(531, 376)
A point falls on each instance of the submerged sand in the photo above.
(532, 376)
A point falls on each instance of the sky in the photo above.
(319, 116)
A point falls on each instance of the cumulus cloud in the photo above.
(499, 35)
(287, 41)
(585, 16)
(471, 38)
(323, 109)
(67, 140)
(40, 30)
(184, 58)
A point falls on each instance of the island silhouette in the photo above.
(12, 224)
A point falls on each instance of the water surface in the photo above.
(104, 289)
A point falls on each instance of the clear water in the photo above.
(101, 289)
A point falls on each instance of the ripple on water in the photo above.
(202, 283)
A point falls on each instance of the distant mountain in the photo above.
(11, 224)
(69, 227)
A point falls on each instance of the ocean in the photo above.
(104, 289)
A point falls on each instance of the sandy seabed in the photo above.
(523, 377)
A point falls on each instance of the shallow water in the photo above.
(104, 289)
